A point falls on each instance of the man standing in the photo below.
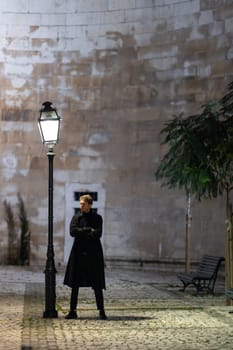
(85, 266)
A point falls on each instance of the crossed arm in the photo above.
(91, 232)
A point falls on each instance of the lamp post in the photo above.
(49, 127)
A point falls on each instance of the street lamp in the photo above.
(49, 126)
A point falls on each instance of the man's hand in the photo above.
(92, 232)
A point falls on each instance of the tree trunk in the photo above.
(228, 248)
(187, 233)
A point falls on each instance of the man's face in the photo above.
(84, 206)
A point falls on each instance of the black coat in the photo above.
(85, 266)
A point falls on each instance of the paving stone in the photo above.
(146, 310)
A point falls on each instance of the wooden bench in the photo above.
(205, 277)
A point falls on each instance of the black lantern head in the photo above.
(49, 125)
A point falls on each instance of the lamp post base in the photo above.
(50, 291)
(50, 285)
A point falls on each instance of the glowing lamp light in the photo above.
(49, 125)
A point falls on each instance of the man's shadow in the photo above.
(116, 318)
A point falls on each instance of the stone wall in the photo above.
(116, 70)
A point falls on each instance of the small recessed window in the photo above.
(94, 195)
(77, 196)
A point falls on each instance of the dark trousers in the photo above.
(98, 297)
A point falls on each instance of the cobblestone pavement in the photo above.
(146, 310)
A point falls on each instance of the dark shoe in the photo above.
(72, 315)
(102, 315)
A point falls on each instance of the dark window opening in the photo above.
(94, 195)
